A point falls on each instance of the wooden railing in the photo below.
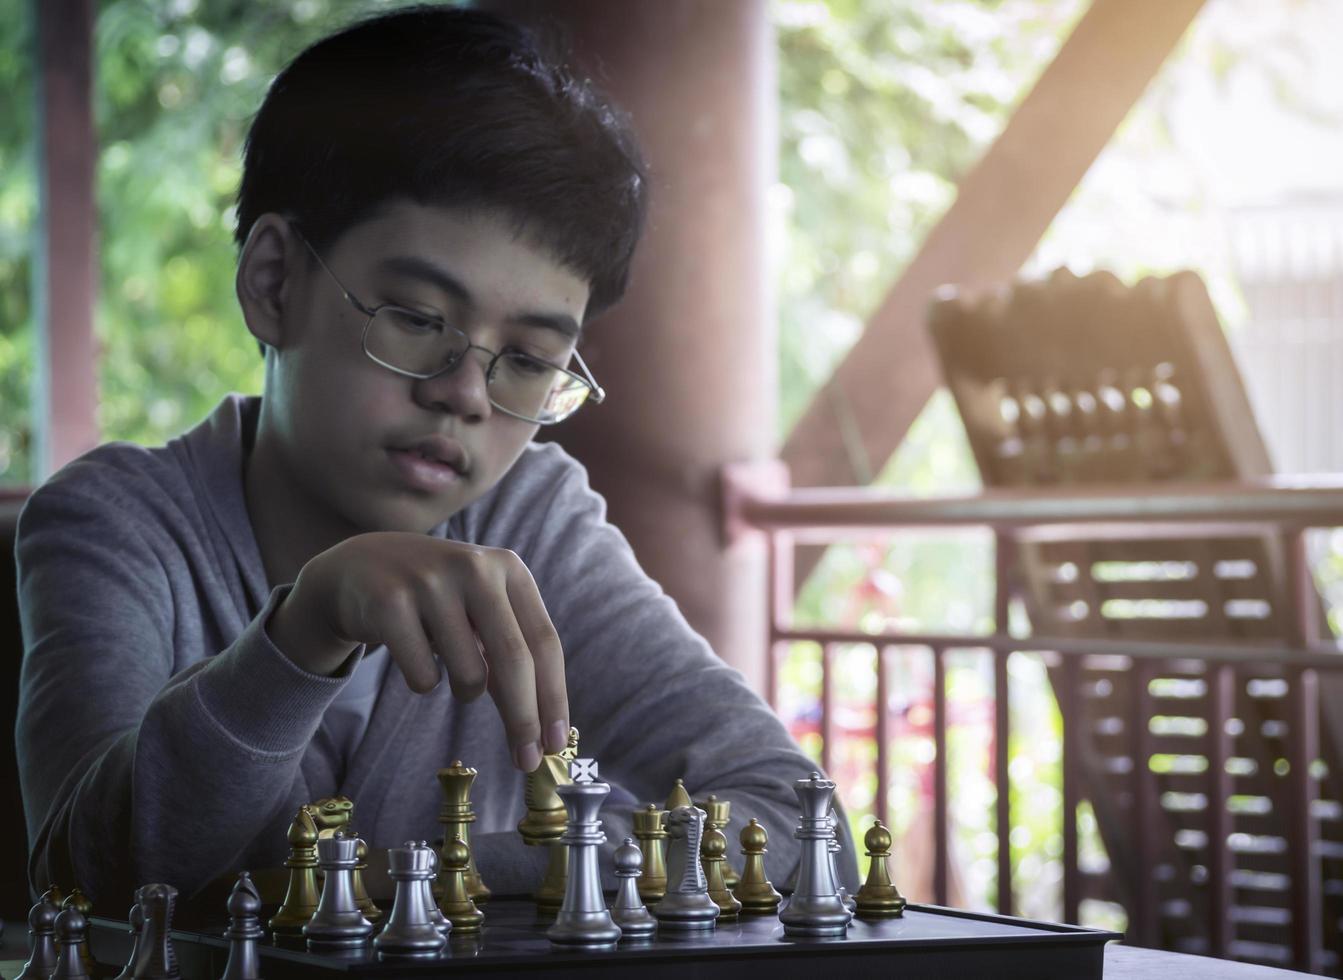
(758, 501)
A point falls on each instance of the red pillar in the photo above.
(689, 358)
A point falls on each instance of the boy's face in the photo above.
(349, 427)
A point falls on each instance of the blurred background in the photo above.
(1230, 163)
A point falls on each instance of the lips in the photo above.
(431, 464)
(439, 449)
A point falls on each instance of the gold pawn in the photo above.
(456, 903)
(78, 900)
(456, 816)
(549, 897)
(371, 912)
(653, 842)
(300, 899)
(756, 894)
(878, 898)
(717, 813)
(54, 895)
(678, 797)
(711, 851)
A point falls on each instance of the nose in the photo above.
(460, 390)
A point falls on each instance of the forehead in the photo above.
(503, 268)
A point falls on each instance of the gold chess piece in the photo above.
(711, 851)
(716, 814)
(678, 797)
(653, 842)
(456, 904)
(456, 816)
(546, 817)
(756, 894)
(300, 899)
(54, 895)
(332, 813)
(371, 912)
(878, 898)
(78, 900)
(549, 897)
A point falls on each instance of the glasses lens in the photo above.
(534, 389)
(411, 342)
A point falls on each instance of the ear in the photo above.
(270, 258)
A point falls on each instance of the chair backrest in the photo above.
(14, 902)
(1073, 381)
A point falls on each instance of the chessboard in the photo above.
(926, 943)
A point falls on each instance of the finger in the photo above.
(512, 676)
(397, 624)
(454, 641)
(552, 696)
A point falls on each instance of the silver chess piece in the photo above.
(628, 910)
(431, 908)
(816, 908)
(41, 940)
(71, 926)
(136, 922)
(834, 848)
(337, 922)
(583, 919)
(409, 929)
(244, 929)
(687, 906)
(158, 958)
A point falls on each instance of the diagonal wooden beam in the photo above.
(1003, 206)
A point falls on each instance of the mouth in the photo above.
(431, 463)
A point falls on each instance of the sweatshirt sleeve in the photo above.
(651, 700)
(131, 773)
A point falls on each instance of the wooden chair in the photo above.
(1075, 381)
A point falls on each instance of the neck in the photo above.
(290, 525)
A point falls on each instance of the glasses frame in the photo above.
(597, 394)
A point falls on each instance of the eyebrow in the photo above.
(415, 267)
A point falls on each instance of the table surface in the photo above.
(1134, 963)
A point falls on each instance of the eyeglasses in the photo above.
(420, 345)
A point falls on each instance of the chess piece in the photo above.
(300, 899)
(244, 906)
(878, 897)
(136, 921)
(158, 958)
(332, 813)
(754, 891)
(687, 905)
(337, 923)
(409, 928)
(456, 816)
(42, 951)
(583, 920)
(717, 813)
(711, 854)
(77, 899)
(70, 927)
(677, 797)
(834, 849)
(815, 908)
(545, 817)
(628, 911)
(549, 896)
(456, 904)
(439, 920)
(371, 912)
(653, 843)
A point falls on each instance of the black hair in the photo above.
(448, 106)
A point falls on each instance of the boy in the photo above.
(371, 571)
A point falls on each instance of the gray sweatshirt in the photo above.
(163, 737)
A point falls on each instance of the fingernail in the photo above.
(527, 757)
(557, 736)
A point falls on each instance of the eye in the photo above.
(523, 363)
(411, 321)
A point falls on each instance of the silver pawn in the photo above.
(41, 940)
(834, 847)
(337, 922)
(70, 929)
(136, 921)
(815, 908)
(628, 910)
(244, 904)
(583, 920)
(431, 908)
(158, 958)
(687, 906)
(409, 928)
